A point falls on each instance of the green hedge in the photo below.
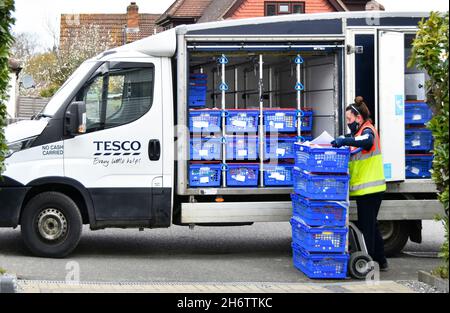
(6, 40)
(430, 53)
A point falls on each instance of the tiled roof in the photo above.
(185, 9)
(112, 24)
(216, 10)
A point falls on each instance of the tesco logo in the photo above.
(117, 147)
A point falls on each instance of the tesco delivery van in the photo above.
(195, 126)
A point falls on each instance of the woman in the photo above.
(367, 182)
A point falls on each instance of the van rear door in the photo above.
(391, 111)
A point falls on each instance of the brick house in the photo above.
(198, 11)
(123, 28)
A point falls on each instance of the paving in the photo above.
(30, 286)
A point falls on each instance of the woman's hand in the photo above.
(338, 142)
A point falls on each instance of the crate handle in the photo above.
(224, 167)
(225, 113)
(301, 138)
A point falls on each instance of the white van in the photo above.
(111, 148)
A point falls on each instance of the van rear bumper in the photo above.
(11, 199)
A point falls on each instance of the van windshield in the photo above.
(68, 87)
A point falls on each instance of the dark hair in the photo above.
(359, 108)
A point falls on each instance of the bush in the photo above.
(430, 53)
(6, 41)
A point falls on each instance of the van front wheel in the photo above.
(51, 225)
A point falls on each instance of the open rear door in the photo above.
(391, 117)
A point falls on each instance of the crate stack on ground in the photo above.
(320, 209)
(418, 140)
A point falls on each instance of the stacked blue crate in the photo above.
(205, 125)
(242, 147)
(280, 126)
(197, 90)
(418, 140)
(320, 205)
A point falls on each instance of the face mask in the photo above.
(353, 127)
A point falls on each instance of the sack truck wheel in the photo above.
(51, 225)
(359, 265)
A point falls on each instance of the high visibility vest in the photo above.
(366, 167)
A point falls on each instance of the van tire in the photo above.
(395, 236)
(51, 225)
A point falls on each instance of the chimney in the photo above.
(133, 17)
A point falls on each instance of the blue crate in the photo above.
(419, 166)
(197, 101)
(242, 121)
(205, 175)
(323, 159)
(206, 148)
(197, 96)
(242, 175)
(320, 266)
(324, 239)
(242, 148)
(306, 120)
(319, 213)
(418, 139)
(196, 79)
(320, 187)
(278, 175)
(417, 113)
(280, 147)
(198, 82)
(205, 121)
(281, 120)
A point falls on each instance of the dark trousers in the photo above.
(368, 207)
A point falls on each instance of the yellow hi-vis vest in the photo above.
(366, 167)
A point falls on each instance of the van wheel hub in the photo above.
(52, 224)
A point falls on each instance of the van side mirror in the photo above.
(75, 119)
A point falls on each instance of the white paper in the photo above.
(324, 138)
(277, 176)
(242, 153)
(415, 143)
(203, 152)
(239, 123)
(281, 152)
(204, 180)
(279, 114)
(417, 117)
(279, 125)
(201, 124)
(415, 170)
(240, 178)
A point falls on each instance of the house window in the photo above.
(280, 8)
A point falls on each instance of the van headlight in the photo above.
(20, 145)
